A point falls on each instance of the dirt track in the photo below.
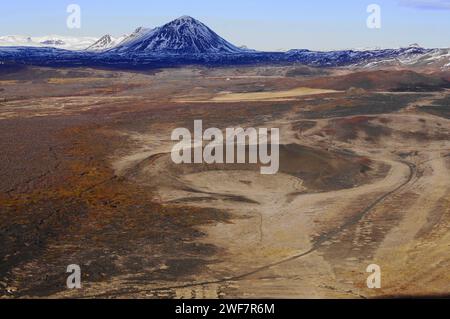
(269, 260)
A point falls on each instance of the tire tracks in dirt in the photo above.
(316, 246)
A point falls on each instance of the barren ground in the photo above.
(86, 178)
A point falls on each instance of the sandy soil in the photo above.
(229, 97)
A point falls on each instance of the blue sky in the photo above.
(259, 24)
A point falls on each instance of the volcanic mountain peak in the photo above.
(186, 18)
(184, 35)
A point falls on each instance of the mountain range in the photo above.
(57, 41)
(188, 41)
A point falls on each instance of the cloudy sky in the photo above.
(259, 24)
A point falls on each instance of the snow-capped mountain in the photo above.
(349, 57)
(435, 58)
(134, 35)
(184, 35)
(54, 41)
(188, 41)
(106, 42)
(16, 40)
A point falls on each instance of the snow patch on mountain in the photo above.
(106, 42)
(139, 32)
(54, 41)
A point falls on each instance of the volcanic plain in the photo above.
(87, 179)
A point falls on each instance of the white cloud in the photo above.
(427, 4)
